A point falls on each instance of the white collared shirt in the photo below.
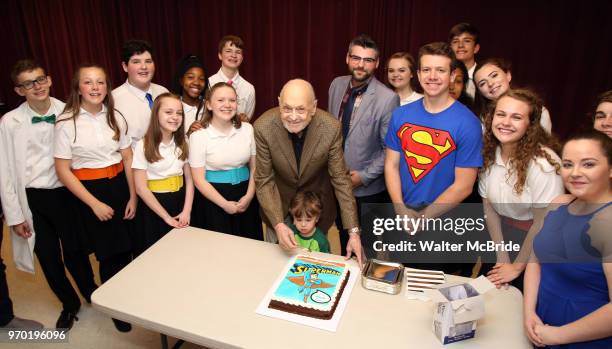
(133, 104)
(470, 87)
(216, 151)
(414, 96)
(40, 165)
(542, 185)
(94, 146)
(244, 89)
(170, 165)
(545, 120)
(190, 114)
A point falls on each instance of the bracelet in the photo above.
(355, 230)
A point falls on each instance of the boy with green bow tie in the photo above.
(35, 203)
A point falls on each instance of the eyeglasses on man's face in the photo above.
(367, 60)
(28, 85)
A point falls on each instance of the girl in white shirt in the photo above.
(519, 178)
(92, 149)
(222, 160)
(401, 70)
(492, 79)
(190, 82)
(161, 174)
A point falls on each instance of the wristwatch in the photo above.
(355, 230)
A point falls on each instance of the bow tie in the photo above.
(49, 119)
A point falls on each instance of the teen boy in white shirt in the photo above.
(34, 199)
(464, 40)
(134, 99)
(230, 54)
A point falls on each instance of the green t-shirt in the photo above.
(316, 243)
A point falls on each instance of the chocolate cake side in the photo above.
(319, 314)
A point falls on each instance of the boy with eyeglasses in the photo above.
(231, 49)
(34, 200)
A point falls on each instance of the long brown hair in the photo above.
(529, 147)
(483, 106)
(153, 137)
(73, 104)
(208, 114)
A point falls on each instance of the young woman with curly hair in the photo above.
(518, 179)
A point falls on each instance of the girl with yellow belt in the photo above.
(93, 159)
(161, 174)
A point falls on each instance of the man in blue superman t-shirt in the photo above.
(434, 144)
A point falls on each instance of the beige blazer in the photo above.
(322, 169)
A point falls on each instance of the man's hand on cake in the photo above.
(354, 246)
(285, 237)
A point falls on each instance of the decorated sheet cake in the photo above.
(311, 287)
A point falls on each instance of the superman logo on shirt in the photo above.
(423, 148)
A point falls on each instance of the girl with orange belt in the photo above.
(93, 159)
(161, 174)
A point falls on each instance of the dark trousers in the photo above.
(51, 224)
(113, 264)
(6, 306)
(379, 198)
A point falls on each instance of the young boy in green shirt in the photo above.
(305, 208)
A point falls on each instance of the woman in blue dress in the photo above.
(567, 286)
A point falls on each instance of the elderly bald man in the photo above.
(299, 147)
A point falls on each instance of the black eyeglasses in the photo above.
(41, 80)
(357, 59)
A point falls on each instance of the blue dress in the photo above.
(572, 280)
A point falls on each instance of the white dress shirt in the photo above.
(216, 151)
(470, 87)
(542, 185)
(170, 165)
(133, 104)
(244, 89)
(40, 165)
(545, 120)
(94, 146)
(414, 96)
(189, 114)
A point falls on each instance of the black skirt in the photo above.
(111, 237)
(246, 224)
(149, 227)
(197, 210)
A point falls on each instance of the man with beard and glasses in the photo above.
(363, 105)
